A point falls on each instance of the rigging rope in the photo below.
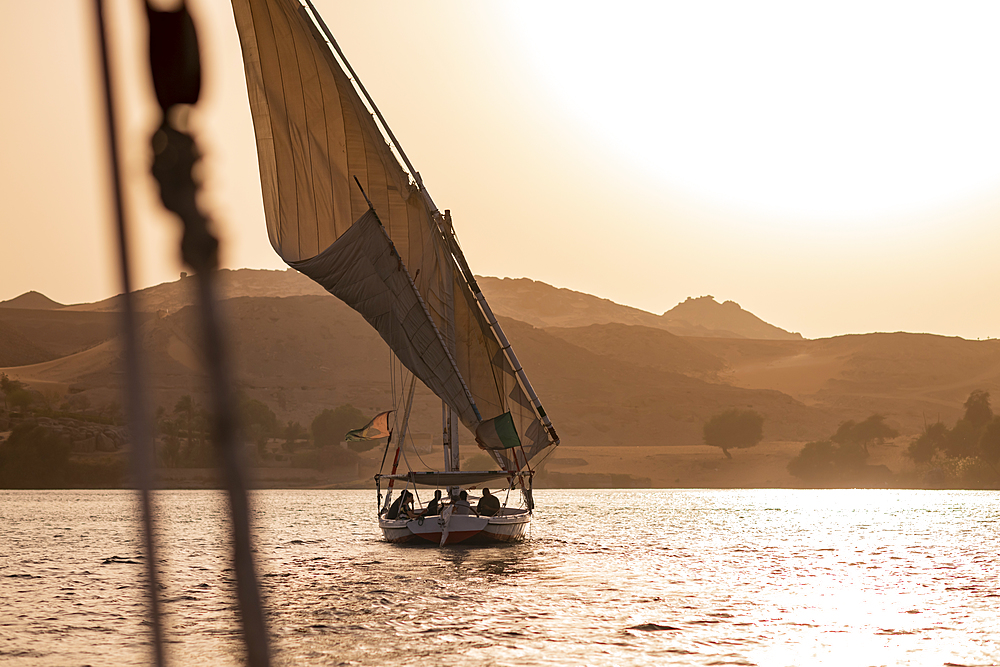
(137, 408)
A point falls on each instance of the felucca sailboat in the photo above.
(344, 205)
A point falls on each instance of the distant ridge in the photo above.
(32, 301)
(705, 317)
(172, 296)
(545, 306)
(542, 305)
(537, 303)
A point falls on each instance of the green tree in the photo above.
(186, 406)
(170, 454)
(50, 398)
(259, 421)
(866, 433)
(330, 426)
(874, 430)
(827, 461)
(816, 461)
(21, 399)
(930, 442)
(977, 409)
(962, 440)
(845, 432)
(294, 432)
(33, 457)
(734, 429)
(989, 444)
(8, 386)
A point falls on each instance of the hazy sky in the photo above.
(832, 167)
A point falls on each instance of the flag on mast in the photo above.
(373, 430)
(498, 433)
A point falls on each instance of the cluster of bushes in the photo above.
(187, 441)
(40, 455)
(37, 457)
(38, 452)
(968, 453)
(21, 402)
(843, 457)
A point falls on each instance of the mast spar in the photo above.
(508, 351)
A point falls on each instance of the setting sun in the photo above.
(807, 114)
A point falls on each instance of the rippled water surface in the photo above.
(690, 577)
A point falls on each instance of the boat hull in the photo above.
(508, 526)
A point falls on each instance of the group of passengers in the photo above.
(488, 505)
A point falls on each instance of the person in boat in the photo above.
(434, 506)
(403, 506)
(488, 505)
(462, 505)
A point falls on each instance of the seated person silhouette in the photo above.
(434, 506)
(403, 506)
(488, 505)
(462, 505)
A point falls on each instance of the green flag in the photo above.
(498, 433)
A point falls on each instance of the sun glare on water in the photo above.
(835, 577)
(811, 113)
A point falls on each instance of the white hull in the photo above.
(508, 526)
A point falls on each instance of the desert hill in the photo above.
(630, 404)
(31, 301)
(613, 388)
(61, 332)
(171, 297)
(911, 378)
(706, 317)
(302, 354)
(16, 349)
(542, 305)
(644, 346)
(545, 306)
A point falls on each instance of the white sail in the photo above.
(392, 261)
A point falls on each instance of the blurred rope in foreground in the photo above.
(176, 69)
(137, 407)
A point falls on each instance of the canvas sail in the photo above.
(393, 262)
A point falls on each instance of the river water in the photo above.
(666, 577)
